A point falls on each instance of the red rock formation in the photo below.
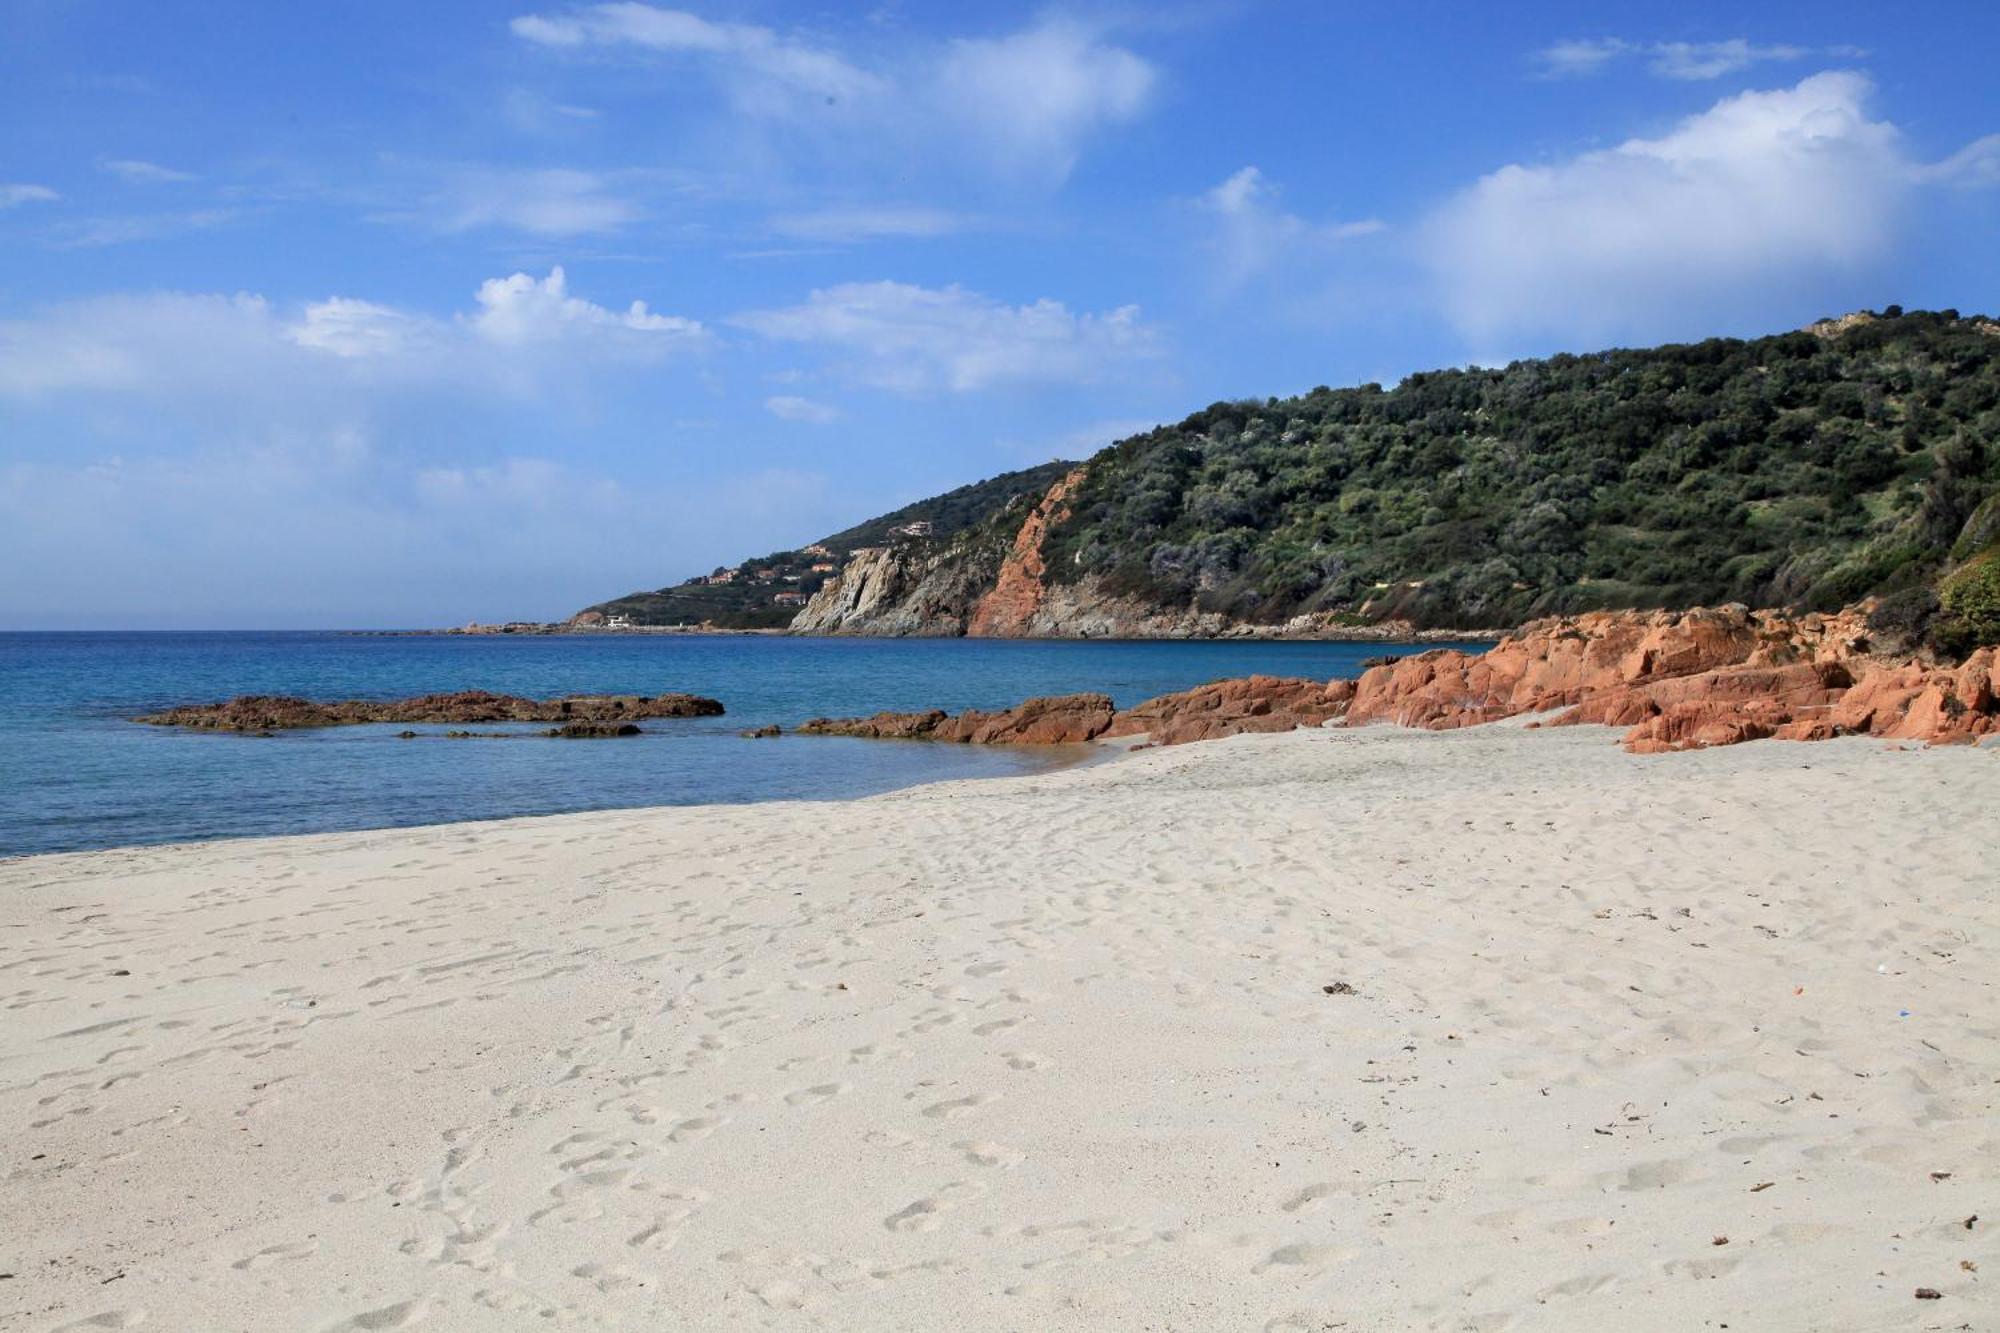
(1674, 680)
(1686, 680)
(1061, 720)
(1227, 707)
(1008, 607)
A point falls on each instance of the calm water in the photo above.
(76, 773)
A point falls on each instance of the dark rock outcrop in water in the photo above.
(278, 712)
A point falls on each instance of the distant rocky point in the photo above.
(576, 715)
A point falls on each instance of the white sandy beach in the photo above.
(1696, 1041)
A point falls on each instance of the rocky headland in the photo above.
(577, 715)
(1675, 680)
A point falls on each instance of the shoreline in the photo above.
(1069, 1050)
(1249, 634)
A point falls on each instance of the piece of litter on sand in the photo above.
(1761, 1186)
(1720, 1240)
(1929, 1294)
(1940, 1175)
(1338, 988)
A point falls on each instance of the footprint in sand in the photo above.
(1309, 1199)
(687, 1131)
(1302, 1255)
(109, 1319)
(925, 1214)
(272, 1254)
(959, 1106)
(982, 1153)
(813, 1096)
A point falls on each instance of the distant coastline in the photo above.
(1391, 632)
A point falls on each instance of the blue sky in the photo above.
(387, 314)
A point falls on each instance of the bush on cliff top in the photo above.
(1969, 599)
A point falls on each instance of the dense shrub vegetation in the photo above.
(1806, 469)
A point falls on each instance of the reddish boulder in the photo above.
(1228, 707)
(1062, 720)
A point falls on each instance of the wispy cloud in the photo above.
(766, 72)
(131, 229)
(13, 196)
(551, 201)
(790, 407)
(1975, 165)
(1252, 232)
(1685, 61)
(835, 225)
(915, 340)
(136, 172)
(1024, 104)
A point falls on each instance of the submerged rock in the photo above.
(277, 712)
(590, 731)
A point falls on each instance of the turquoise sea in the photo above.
(76, 772)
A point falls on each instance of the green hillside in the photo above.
(1810, 468)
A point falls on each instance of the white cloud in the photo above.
(1036, 95)
(1711, 60)
(1686, 61)
(867, 224)
(1734, 206)
(137, 172)
(90, 233)
(1252, 232)
(915, 339)
(551, 202)
(787, 407)
(1580, 57)
(1024, 104)
(13, 196)
(346, 327)
(218, 353)
(523, 309)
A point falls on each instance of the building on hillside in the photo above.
(824, 567)
(789, 598)
(920, 528)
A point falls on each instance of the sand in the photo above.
(1682, 1042)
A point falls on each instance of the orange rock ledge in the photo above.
(1676, 680)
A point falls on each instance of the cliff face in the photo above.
(901, 591)
(972, 589)
(1010, 607)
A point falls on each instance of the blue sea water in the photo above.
(77, 773)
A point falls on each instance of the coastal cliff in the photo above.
(1805, 471)
(974, 589)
